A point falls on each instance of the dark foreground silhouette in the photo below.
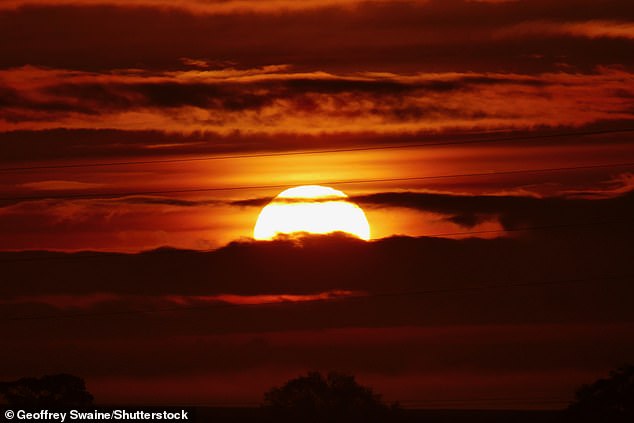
(333, 398)
(606, 400)
(62, 390)
(337, 397)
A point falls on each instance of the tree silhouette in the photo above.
(606, 400)
(55, 390)
(334, 398)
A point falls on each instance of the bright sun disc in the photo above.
(311, 209)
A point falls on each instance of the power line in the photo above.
(394, 294)
(328, 151)
(341, 182)
(78, 256)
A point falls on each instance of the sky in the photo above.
(489, 143)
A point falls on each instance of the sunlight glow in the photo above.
(311, 209)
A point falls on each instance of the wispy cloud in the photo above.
(60, 185)
(200, 6)
(586, 29)
(161, 302)
(275, 100)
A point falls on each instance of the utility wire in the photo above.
(328, 151)
(394, 294)
(341, 182)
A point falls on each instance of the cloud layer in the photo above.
(276, 100)
(158, 74)
(460, 317)
(414, 35)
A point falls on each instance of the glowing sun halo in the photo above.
(311, 209)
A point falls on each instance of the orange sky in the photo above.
(142, 220)
(169, 124)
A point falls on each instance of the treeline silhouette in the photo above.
(338, 397)
(606, 400)
(62, 390)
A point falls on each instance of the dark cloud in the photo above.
(93, 98)
(512, 211)
(259, 202)
(167, 201)
(276, 100)
(27, 145)
(252, 202)
(8, 96)
(419, 37)
(12, 98)
(336, 264)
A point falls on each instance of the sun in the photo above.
(312, 209)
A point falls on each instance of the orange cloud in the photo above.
(262, 299)
(90, 301)
(586, 29)
(275, 99)
(201, 6)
